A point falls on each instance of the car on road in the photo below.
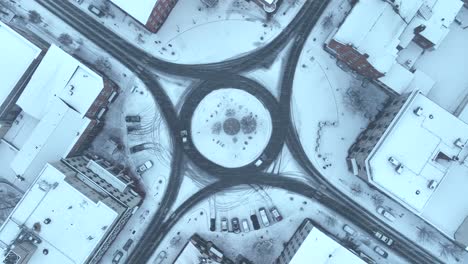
(276, 214)
(184, 136)
(264, 216)
(145, 166)
(388, 241)
(117, 257)
(349, 230)
(245, 226)
(390, 217)
(254, 220)
(132, 118)
(140, 147)
(93, 9)
(381, 252)
(224, 224)
(235, 225)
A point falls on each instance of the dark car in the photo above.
(93, 9)
(140, 147)
(255, 223)
(133, 118)
(235, 225)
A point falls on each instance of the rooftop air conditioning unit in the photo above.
(418, 111)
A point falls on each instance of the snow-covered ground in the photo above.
(194, 33)
(231, 127)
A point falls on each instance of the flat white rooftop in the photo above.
(77, 225)
(60, 76)
(374, 28)
(430, 146)
(189, 254)
(320, 248)
(16, 55)
(140, 11)
(52, 139)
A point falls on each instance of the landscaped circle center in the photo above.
(231, 126)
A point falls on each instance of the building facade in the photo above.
(106, 200)
(149, 13)
(159, 14)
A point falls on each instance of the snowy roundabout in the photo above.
(230, 126)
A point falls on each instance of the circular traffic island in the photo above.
(231, 130)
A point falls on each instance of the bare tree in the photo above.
(34, 17)
(378, 199)
(425, 234)
(330, 221)
(327, 22)
(102, 64)
(356, 189)
(450, 250)
(65, 39)
(365, 98)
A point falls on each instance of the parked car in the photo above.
(254, 219)
(276, 214)
(388, 241)
(130, 129)
(366, 258)
(117, 257)
(140, 147)
(212, 224)
(128, 244)
(133, 118)
(79, 1)
(224, 224)
(349, 230)
(385, 213)
(235, 225)
(381, 252)
(145, 166)
(264, 216)
(93, 9)
(245, 226)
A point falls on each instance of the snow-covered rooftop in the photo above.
(189, 254)
(78, 224)
(400, 80)
(430, 146)
(140, 11)
(442, 14)
(373, 28)
(62, 76)
(320, 248)
(52, 139)
(17, 54)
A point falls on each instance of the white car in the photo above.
(381, 252)
(224, 224)
(349, 230)
(245, 226)
(145, 166)
(385, 214)
(264, 217)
